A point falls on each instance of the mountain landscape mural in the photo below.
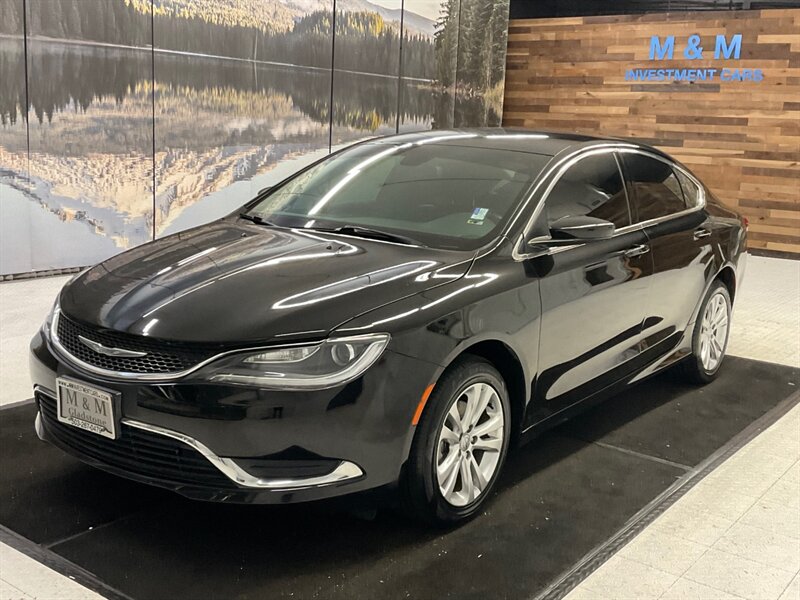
(140, 118)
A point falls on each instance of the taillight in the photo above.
(745, 222)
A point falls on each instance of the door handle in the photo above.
(701, 233)
(637, 250)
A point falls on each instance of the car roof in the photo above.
(548, 143)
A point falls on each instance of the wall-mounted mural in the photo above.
(428, 65)
(366, 69)
(141, 118)
(255, 101)
(16, 203)
(80, 173)
(481, 58)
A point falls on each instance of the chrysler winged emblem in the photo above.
(116, 352)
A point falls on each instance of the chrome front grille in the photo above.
(161, 356)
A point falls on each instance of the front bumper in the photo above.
(236, 444)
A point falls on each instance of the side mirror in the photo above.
(581, 228)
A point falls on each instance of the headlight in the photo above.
(50, 321)
(47, 326)
(313, 367)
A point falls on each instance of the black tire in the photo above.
(420, 493)
(692, 368)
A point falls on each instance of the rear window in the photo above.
(654, 187)
(691, 192)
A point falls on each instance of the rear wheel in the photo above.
(710, 337)
(460, 444)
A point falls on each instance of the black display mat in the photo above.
(559, 497)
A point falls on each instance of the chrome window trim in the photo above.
(624, 187)
(562, 166)
(571, 157)
(344, 471)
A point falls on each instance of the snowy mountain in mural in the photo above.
(146, 117)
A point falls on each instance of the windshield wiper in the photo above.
(257, 220)
(367, 232)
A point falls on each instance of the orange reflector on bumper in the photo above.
(421, 405)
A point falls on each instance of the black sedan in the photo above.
(400, 313)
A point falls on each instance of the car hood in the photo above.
(232, 282)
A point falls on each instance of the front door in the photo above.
(593, 293)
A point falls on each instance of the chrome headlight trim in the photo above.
(50, 320)
(373, 346)
(74, 361)
(363, 364)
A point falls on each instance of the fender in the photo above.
(684, 346)
(736, 278)
(490, 336)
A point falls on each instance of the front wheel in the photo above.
(460, 444)
(710, 336)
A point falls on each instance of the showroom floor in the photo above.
(736, 534)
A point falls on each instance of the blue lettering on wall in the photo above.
(672, 74)
(725, 48)
(693, 48)
(659, 51)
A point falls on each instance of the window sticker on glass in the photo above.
(478, 216)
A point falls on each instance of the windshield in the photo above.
(442, 196)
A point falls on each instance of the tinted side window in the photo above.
(654, 187)
(690, 190)
(592, 187)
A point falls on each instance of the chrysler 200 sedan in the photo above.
(400, 313)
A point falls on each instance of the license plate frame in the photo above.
(94, 409)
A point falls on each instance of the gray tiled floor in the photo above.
(735, 535)
(22, 578)
(720, 540)
(24, 304)
(766, 322)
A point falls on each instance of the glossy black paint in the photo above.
(566, 325)
(180, 285)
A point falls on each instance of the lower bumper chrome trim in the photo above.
(37, 424)
(343, 472)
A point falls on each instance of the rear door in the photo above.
(593, 293)
(668, 204)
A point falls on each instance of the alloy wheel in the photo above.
(714, 332)
(469, 445)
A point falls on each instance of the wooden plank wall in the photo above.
(741, 138)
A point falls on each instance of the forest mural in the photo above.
(140, 118)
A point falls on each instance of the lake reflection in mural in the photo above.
(219, 122)
(15, 208)
(81, 171)
(366, 65)
(91, 141)
(123, 139)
